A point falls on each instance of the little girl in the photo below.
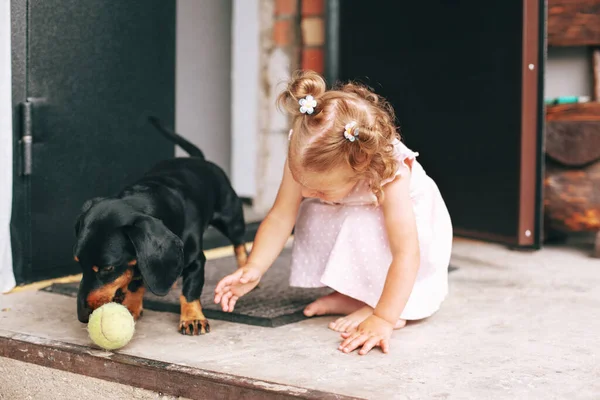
(369, 223)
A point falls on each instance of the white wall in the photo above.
(7, 279)
(568, 72)
(245, 76)
(203, 77)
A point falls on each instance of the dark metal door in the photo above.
(86, 74)
(465, 78)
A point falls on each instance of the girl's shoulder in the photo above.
(401, 150)
(404, 156)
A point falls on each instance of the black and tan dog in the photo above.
(150, 234)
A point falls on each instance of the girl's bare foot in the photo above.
(334, 303)
(400, 324)
(351, 321)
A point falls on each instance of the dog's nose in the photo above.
(83, 311)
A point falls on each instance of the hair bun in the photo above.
(302, 84)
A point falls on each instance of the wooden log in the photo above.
(574, 112)
(573, 143)
(573, 22)
(572, 199)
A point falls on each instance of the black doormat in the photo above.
(274, 303)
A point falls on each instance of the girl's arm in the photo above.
(276, 228)
(270, 239)
(401, 228)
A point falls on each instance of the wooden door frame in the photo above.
(532, 124)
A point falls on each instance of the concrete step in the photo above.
(123, 372)
(25, 381)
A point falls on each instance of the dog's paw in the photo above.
(137, 315)
(191, 320)
(194, 327)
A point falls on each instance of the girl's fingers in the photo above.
(349, 337)
(219, 294)
(221, 284)
(225, 301)
(354, 343)
(385, 345)
(369, 344)
(232, 303)
(357, 342)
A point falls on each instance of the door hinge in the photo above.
(27, 137)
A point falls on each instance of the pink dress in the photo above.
(344, 245)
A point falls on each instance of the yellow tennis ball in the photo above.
(111, 326)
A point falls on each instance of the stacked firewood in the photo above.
(572, 181)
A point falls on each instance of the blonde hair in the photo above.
(317, 143)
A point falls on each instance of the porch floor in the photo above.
(515, 325)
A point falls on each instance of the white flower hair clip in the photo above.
(351, 131)
(307, 105)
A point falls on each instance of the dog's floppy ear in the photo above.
(80, 241)
(159, 253)
(84, 209)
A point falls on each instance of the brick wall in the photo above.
(292, 37)
(300, 29)
(313, 35)
(286, 32)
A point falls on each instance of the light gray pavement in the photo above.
(516, 325)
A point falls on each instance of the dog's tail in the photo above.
(192, 150)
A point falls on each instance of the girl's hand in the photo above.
(272, 235)
(373, 331)
(232, 287)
